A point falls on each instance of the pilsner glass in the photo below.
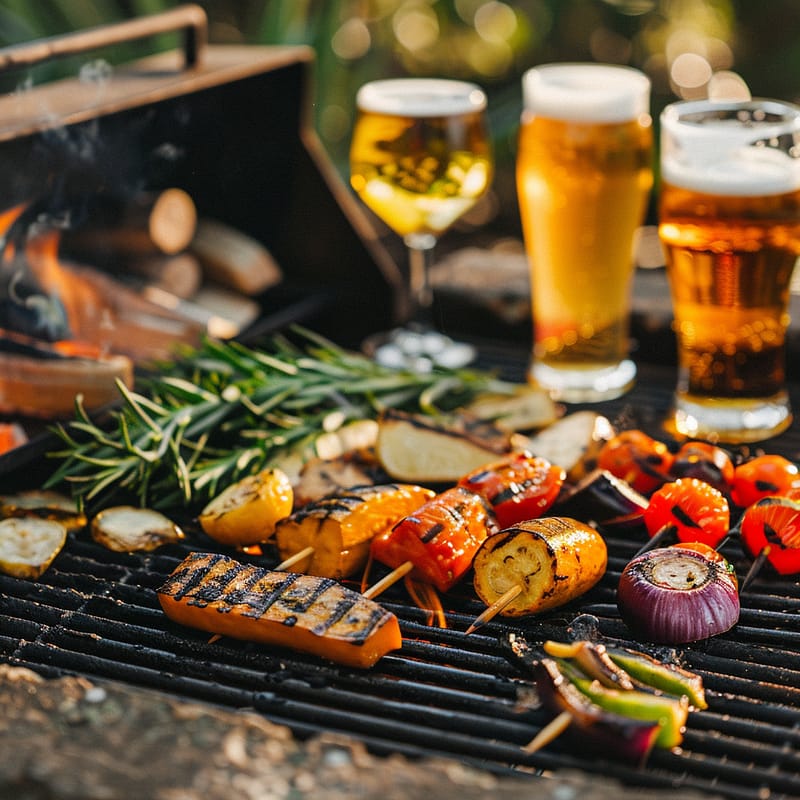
(420, 157)
(730, 228)
(584, 174)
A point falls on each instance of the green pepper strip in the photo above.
(671, 712)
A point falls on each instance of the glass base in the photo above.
(585, 385)
(418, 348)
(731, 421)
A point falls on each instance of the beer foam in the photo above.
(720, 155)
(420, 97)
(586, 92)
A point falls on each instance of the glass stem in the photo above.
(420, 258)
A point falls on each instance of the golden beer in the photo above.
(730, 227)
(420, 155)
(583, 179)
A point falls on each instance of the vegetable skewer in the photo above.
(537, 565)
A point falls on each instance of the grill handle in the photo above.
(191, 19)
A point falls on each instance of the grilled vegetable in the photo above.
(592, 727)
(772, 526)
(440, 538)
(638, 459)
(763, 476)
(126, 529)
(420, 450)
(552, 560)
(706, 462)
(526, 408)
(28, 545)
(669, 713)
(668, 678)
(572, 442)
(517, 487)
(593, 660)
(324, 477)
(313, 615)
(340, 529)
(45, 504)
(602, 498)
(247, 511)
(679, 594)
(693, 509)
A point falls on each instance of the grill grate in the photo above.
(95, 613)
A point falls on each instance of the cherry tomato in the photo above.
(638, 459)
(697, 511)
(440, 538)
(705, 461)
(763, 476)
(772, 526)
(517, 487)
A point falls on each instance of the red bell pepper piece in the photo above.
(440, 538)
(518, 487)
(694, 509)
(637, 458)
(705, 461)
(763, 476)
(771, 527)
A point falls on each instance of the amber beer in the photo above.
(730, 227)
(420, 155)
(584, 174)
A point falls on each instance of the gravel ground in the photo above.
(72, 739)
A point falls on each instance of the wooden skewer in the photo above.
(551, 731)
(299, 556)
(495, 608)
(388, 580)
(755, 567)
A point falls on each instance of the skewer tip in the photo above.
(494, 609)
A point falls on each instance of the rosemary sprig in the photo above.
(224, 410)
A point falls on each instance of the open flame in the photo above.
(42, 299)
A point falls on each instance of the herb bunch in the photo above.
(224, 410)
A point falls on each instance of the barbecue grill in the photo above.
(95, 613)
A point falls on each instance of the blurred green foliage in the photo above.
(489, 41)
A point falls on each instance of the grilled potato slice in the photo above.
(572, 442)
(45, 504)
(28, 545)
(246, 512)
(553, 560)
(126, 529)
(418, 450)
(527, 408)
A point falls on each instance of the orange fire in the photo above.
(84, 307)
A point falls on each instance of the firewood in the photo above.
(148, 224)
(234, 259)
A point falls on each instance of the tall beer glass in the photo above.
(584, 174)
(420, 157)
(730, 227)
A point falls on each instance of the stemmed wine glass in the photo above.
(420, 158)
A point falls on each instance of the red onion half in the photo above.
(678, 594)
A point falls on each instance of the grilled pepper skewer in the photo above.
(770, 531)
(517, 487)
(686, 510)
(439, 539)
(599, 730)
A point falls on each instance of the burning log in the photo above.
(46, 388)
